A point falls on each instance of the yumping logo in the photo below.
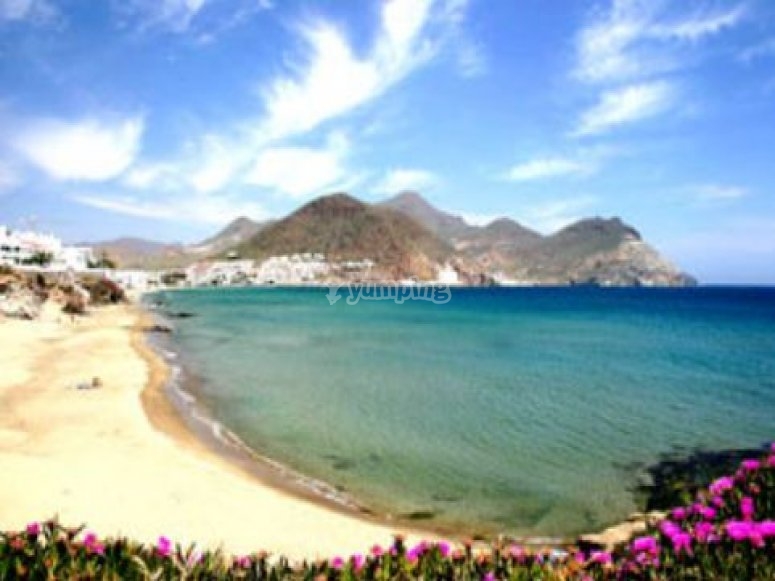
(434, 293)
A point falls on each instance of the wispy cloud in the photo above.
(170, 15)
(548, 167)
(717, 192)
(400, 180)
(33, 11)
(624, 106)
(300, 103)
(471, 59)
(763, 49)
(201, 209)
(9, 177)
(637, 38)
(302, 171)
(478, 219)
(550, 216)
(87, 149)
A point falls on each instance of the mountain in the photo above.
(234, 234)
(416, 207)
(141, 253)
(407, 236)
(599, 251)
(593, 250)
(346, 229)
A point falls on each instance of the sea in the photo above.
(530, 412)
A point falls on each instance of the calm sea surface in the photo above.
(518, 410)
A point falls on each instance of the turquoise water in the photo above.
(517, 410)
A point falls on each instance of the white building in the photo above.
(18, 247)
(225, 272)
(296, 269)
(447, 275)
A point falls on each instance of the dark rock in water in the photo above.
(179, 315)
(419, 515)
(158, 329)
(677, 477)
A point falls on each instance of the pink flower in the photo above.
(337, 563)
(669, 528)
(164, 546)
(679, 513)
(717, 501)
(756, 538)
(750, 465)
(645, 545)
(33, 529)
(358, 561)
(93, 545)
(516, 552)
(703, 531)
(601, 557)
(443, 548)
(489, 577)
(682, 542)
(708, 513)
(746, 507)
(413, 554)
(244, 562)
(771, 461)
(377, 551)
(721, 485)
(767, 528)
(738, 530)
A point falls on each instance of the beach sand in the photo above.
(121, 461)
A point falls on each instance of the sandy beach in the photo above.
(95, 457)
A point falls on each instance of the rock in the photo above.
(158, 329)
(636, 524)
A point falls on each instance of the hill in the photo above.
(346, 229)
(146, 254)
(593, 250)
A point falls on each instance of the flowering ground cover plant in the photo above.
(726, 532)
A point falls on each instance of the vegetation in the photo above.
(104, 261)
(344, 228)
(39, 259)
(727, 531)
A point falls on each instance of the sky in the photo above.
(165, 119)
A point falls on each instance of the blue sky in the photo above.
(167, 118)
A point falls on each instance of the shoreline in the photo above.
(121, 460)
(190, 421)
(190, 424)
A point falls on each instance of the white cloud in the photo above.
(201, 209)
(636, 38)
(335, 81)
(548, 167)
(548, 217)
(172, 15)
(404, 179)
(762, 50)
(471, 59)
(301, 171)
(9, 177)
(218, 162)
(36, 11)
(479, 219)
(146, 175)
(718, 192)
(626, 105)
(87, 149)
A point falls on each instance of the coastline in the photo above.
(121, 459)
